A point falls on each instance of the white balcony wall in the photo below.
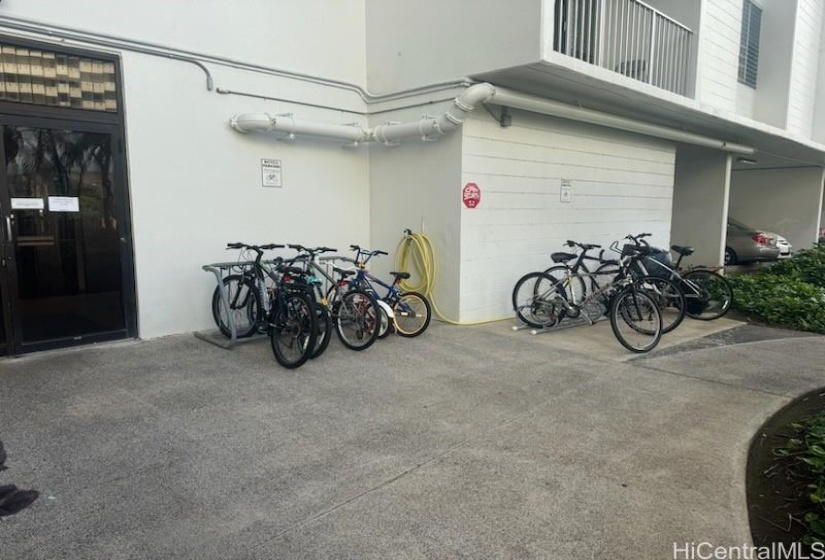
(290, 34)
(620, 183)
(426, 41)
(805, 67)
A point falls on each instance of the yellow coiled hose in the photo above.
(416, 254)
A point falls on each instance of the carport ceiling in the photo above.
(658, 107)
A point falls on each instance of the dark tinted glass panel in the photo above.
(66, 233)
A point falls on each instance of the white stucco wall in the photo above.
(196, 185)
(700, 203)
(620, 183)
(784, 201)
(417, 186)
(290, 34)
(418, 43)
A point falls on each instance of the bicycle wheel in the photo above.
(294, 330)
(245, 308)
(537, 300)
(668, 296)
(576, 290)
(708, 294)
(636, 320)
(412, 314)
(324, 328)
(357, 319)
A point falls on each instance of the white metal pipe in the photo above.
(516, 100)
(454, 118)
(263, 122)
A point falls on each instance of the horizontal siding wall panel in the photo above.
(621, 183)
(719, 53)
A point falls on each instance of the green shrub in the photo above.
(807, 265)
(785, 296)
(803, 459)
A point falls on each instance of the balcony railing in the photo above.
(628, 37)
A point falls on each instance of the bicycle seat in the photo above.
(401, 275)
(562, 257)
(682, 250)
(342, 272)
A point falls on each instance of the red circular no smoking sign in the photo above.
(471, 195)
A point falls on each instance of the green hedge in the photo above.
(790, 293)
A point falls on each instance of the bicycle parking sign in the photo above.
(471, 195)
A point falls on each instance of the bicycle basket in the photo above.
(657, 262)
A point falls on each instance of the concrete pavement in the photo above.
(467, 442)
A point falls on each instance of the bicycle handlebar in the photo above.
(639, 239)
(367, 251)
(310, 250)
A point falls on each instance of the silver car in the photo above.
(746, 244)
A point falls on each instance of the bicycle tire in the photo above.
(356, 316)
(715, 298)
(668, 296)
(324, 330)
(413, 313)
(635, 314)
(293, 330)
(245, 307)
(576, 291)
(535, 300)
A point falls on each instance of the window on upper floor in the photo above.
(749, 43)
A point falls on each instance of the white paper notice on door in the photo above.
(64, 204)
(27, 204)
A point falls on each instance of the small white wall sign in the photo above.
(271, 172)
(64, 204)
(27, 204)
(566, 193)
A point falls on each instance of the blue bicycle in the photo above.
(411, 311)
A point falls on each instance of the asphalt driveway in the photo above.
(467, 442)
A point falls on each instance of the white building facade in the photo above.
(601, 118)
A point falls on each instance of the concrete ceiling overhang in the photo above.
(581, 84)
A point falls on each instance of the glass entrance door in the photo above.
(64, 238)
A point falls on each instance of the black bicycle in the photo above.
(272, 298)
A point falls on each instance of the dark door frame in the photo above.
(39, 116)
(14, 346)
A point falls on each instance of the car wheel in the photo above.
(730, 257)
